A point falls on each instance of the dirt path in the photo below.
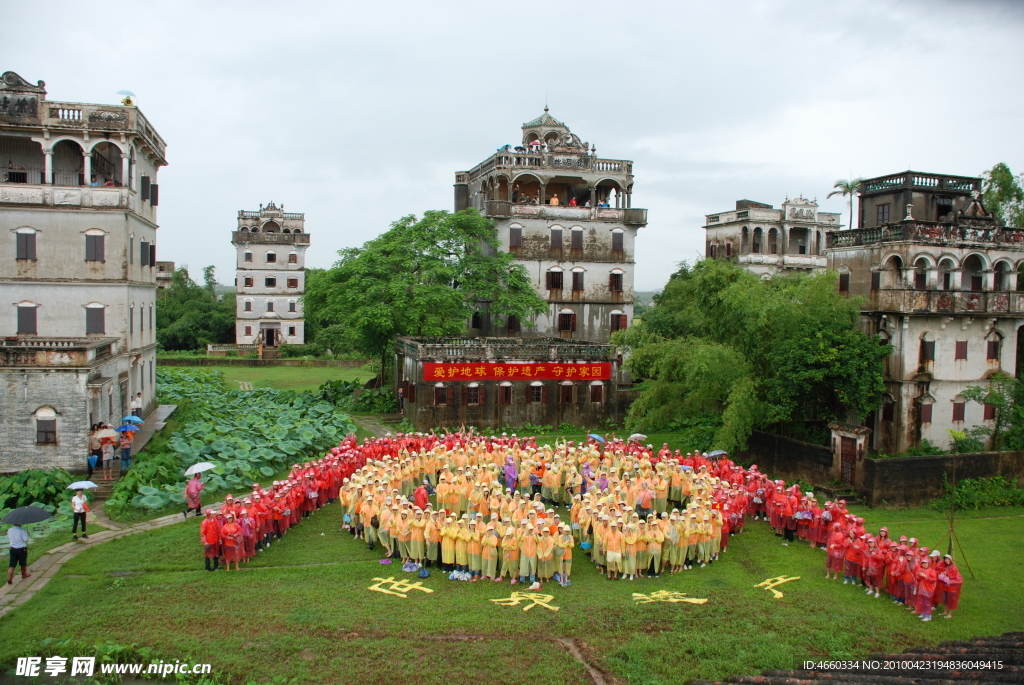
(372, 425)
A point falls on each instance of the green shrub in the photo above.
(975, 493)
(249, 435)
(311, 350)
(342, 395)
(48, 486)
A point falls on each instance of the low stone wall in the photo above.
(788, 459)
(221, 361)
(909, 481)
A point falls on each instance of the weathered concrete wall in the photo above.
(788, 459)
(916, 480)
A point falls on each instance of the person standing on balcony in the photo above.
(572, 201)
(515, 193)
(554, 201)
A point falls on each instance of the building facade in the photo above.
(78, 215)
(939, 275)
(271, 276)
(495, 382)
(769, 241)
(567, 216)
(164, 274)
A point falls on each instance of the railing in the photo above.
(248, 215)
(914, 180)
(63, 114)
(293, 215)
(501, 208)
(949, 301)
(502, 349)
(102, 118)
(67, 196)
(925, 232)
(555, 159)
(270, 238)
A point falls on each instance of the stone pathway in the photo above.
(372, 425)
(244, 386)
(46, 567)
(154, 422)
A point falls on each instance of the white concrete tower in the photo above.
(271, 276)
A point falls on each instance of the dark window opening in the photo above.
(270, 305)
(844, 283)
(95, 321)
(615, 283)
(554, 280)
(596, 393)
(472, 395)
(46, 431)
(976, 283)
(291, 307)
(946, 278)
(504, 394)
(512, 325)
(888, 411)
(567, 322)
(565, 394)
(925, 413)
(271, 258)
(291, 330)
(293, 283)
(617, 241)
(515, 239)
(619, 322)
(920, 280)
(958, 412)
(882, 214)
(927, 351)
(247, 282)
(993, 350)
(293, 258)
(475, 321)
(27, 321)
(728, 249)
(961, 350)
(248, 306)
(538, 393)
(270, 282)
(247, 257)
(577, 281)
(144, 254)
(556, 239)
(990, 412)
(577, 241)
(876, 280)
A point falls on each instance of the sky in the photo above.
(359, 113)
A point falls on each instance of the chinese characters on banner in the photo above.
(492, 371)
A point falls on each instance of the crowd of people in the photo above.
(506, 508)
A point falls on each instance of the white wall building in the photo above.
(78, 219)
(770, 241)
(567, 216)
(270, 279)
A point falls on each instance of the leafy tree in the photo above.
(783, 352)
(422, 277)
(1003, 195)
(189, 317)
(847, 188)
(332, 338)
(1005, 394)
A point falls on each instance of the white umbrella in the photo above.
(200, 467)
(637, 436)
(106, 433)
(82, 485)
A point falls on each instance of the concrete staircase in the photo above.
(269, 353)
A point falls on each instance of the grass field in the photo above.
(296, 378)
(302, 612)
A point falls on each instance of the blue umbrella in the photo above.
(126, 428)
(125, 92)
(597, 437)
(82, 485)
(715, 454)
(132, 419)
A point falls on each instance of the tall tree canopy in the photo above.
(423, 277)
(1003, 194)
(721, 344)
(188, 315)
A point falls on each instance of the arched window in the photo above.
(556, 237)
(46, 426)
(744, 240)
(921, 274)
(94, 245)
(554, 278)
(993, 348)
(443, 395)
(95, 319)
(926, 356)
(537, 392)
(505, 392)
(1003, 276)
(619, 321)
(972, 278)
(244, 229)
(615, 277)
(758, 237)
(576, 246)
(577, 279)
(566, 322)
(287, 230)
(597, 392)
(271, 227)
(618, 237)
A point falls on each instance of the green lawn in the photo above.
(302, 610)
(296, 378)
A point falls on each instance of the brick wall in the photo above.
(910, 481)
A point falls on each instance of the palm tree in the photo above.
(847, 188)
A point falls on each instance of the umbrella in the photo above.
(25, 515)
(201, 466)
(716, 454)
(637, 436)
(126, 92)
(82, 485)
(127, 428)
(597, 437)
(132, 419)
(106, 433)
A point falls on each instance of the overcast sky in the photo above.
(358, 113)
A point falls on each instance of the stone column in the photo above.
(955, 277)
(87, 168)
(543, 193)
(907, 276)
(988, 280)
(126, 159)
(47, 166)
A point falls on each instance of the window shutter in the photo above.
(131, 319)
(515, 237)
(544, 394)
(926, 413)
(152, 254)
(556, 239)
(90, 249)
(961, 350)
(927, 351)
(94, 323)
(572, 324)
(577, 240)
(993, 350)
(577, 280)
(529, 394)
(844, 283)
(990, 412)
(143, 253)
(27, 321)
(145, 188)
(876, 281)
(465, 396)
(154, 194)
(26, 246)
(617, 242)
(548, 279)
(482, 395)
(958, 412)
(887, 411)
(451, 396)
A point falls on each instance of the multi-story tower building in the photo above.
(567, 216)
(769, 241)
(78, 219)
(271, 276)
(939, 275)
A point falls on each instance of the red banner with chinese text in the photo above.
(491, 371)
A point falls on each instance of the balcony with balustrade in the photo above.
(964, 233)
(55, 352)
